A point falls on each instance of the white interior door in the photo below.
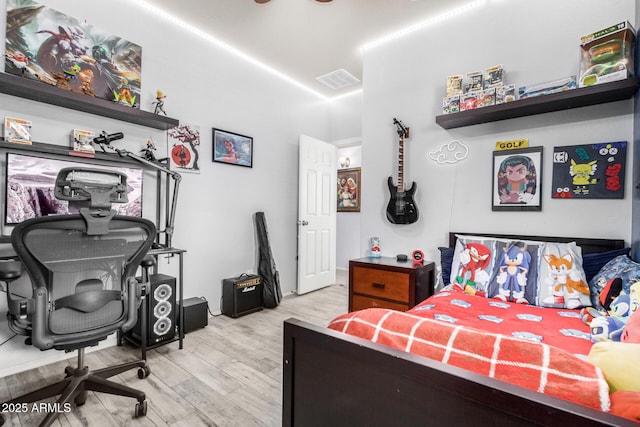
(316, 214)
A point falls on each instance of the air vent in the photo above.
(338, 79)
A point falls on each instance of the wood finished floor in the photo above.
(227, 374)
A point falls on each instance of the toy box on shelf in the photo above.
(607, 55)
(17, 130)
(547, 88)
(82, 141)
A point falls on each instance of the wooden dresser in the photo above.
(387, 283)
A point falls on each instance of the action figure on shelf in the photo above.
(148, 152)
(123, 94)
(159, 108)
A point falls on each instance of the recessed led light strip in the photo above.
(219, 43)
(439, 18)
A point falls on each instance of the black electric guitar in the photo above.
(401, 208)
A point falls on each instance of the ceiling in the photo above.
(305, 39)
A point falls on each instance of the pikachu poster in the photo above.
(590, 171)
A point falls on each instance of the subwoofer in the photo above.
(161, 310)
(241, 295)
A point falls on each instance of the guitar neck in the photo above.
(401, 164)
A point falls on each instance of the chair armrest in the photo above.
(134, 293)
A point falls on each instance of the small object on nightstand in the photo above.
(374, 251)
(401, 258)
(418, 256)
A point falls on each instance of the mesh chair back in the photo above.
(82, 283)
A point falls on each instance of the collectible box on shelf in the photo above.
(454, 85)
(469, 101)
(494, 77)
(505, 94)
(82, 141)
(547, 88)
(451, 104)
(489, 97)
(474, 82)
(17, 130)
(607, 55)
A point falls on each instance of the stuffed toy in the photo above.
(610, 325)
(610, 291)
(631, 333)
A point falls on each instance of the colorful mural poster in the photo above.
(594, 171)
(44, 44)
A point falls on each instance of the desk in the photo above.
(142, 342)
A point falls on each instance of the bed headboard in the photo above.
(589, 246)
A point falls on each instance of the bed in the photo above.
(330, 378)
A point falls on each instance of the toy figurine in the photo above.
(123, 94)
(375, 247)
(148, 152)
(159, 108)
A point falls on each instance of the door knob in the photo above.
(303, 222)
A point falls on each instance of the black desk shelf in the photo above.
(61, 150)
(581, 97)
(49, 94)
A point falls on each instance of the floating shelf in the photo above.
(581, 97)
(42, 92)
(60, 150)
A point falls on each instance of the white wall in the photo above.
(405, 78)
(206, 86)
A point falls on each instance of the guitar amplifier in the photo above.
(241, 295)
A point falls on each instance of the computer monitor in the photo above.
(30, 182)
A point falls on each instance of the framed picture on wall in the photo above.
(232, 148)
(349, 190)
(517, 178)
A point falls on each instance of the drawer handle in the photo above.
(378, 285)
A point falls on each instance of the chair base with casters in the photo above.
(79, 380)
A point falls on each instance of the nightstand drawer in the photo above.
(361, 302)
(380, 283)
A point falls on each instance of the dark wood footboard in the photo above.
(333, 379)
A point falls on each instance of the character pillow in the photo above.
(562, 280)
(515, 277)
(621, 267)
(473, 262)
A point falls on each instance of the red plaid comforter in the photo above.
(533, 365)
(562, 328)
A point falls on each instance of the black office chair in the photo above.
(82, 269)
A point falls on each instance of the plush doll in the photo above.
(610, 291)
(610, 326)
(631, 331)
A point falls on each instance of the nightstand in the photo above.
(387, 283)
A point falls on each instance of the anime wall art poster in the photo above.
(593, 171)
(184, 148)
(46, 45)
(517, 178)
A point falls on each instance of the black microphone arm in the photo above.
(170, 216)
(105, 138)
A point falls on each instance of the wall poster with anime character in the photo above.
(46, 45)
(517, 179)
(184, 148)
(589, 171)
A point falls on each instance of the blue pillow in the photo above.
(446, 259)
(593, 263)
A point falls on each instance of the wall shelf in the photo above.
(581, 97)
(42, 92)
(60, 150)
